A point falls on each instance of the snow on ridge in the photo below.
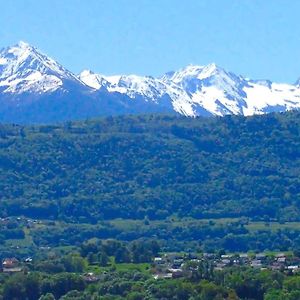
(209, 88)
(91, 79)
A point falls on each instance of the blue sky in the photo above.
(255, 38)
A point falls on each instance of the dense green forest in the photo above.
(136, 167)
(92, 203)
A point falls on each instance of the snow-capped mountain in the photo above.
(147, 89)
(198, 90)
(35, 88)
(24, 69)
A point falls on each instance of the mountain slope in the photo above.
(24, 69)
(155, 166)
(36, 89)
(147, 88)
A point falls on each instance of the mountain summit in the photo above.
(36, 88)
(23, 68)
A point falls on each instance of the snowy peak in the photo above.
(210, 74)
(195, 78)
(23, 58)
(23, 68)
(210, 87)
(192, 71)
(95, 81)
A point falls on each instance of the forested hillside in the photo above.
(153, 167)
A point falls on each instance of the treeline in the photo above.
(153, 166)
(101, 254)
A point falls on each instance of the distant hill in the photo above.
(153, 166)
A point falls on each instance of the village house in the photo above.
(261, 256)
(219, 266)
(281, 260)
(11, 265)
(159, 261)
(90, 277)
(226, 256)
(256, 263)
(293, 269)
(163, 276)
(176, 273)
(209, 255)
(280, 255)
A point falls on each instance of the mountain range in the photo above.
(36, 89)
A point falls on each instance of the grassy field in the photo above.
(272, 226)
(26, 242)
(129, 224)
(144, 268)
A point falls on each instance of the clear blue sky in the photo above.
(255, 38)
